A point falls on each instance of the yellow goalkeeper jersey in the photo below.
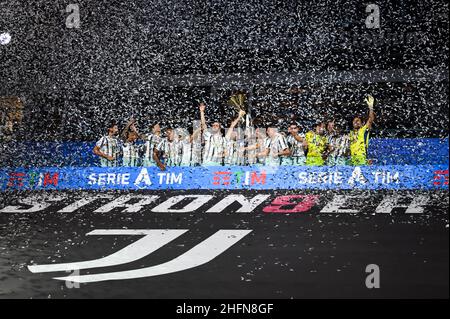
(317, 144)
(359, 143)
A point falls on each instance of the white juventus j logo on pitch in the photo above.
(154, 239)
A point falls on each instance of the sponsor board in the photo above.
(428, 177)
(287, 202)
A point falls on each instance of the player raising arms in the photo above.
(359, 136)
(233, 154)
(214, 141)
(107, 148)
(317, 145)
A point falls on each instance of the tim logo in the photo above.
(153, 240)
(32, 180)
(441, 178)
(227, 178)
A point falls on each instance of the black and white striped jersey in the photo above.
(111, 147)
(234, 153)
(275, 145)
(295, 146)
(151, 142)
(171, 153)
(214, 148)
(130, 154)
(187, 152)
(340, 145)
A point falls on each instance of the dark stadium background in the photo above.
(158, 59)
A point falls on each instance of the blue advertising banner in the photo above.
(237, 177)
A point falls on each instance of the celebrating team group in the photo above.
(325, 144)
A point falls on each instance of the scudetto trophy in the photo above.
(237, 101)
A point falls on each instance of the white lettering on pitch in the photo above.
(390, 202)
(337, 205)
(37, 204)
(166, 207)
(248, 205)
(81, 203)
(121, 202)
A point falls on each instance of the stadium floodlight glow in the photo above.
(5, 38)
